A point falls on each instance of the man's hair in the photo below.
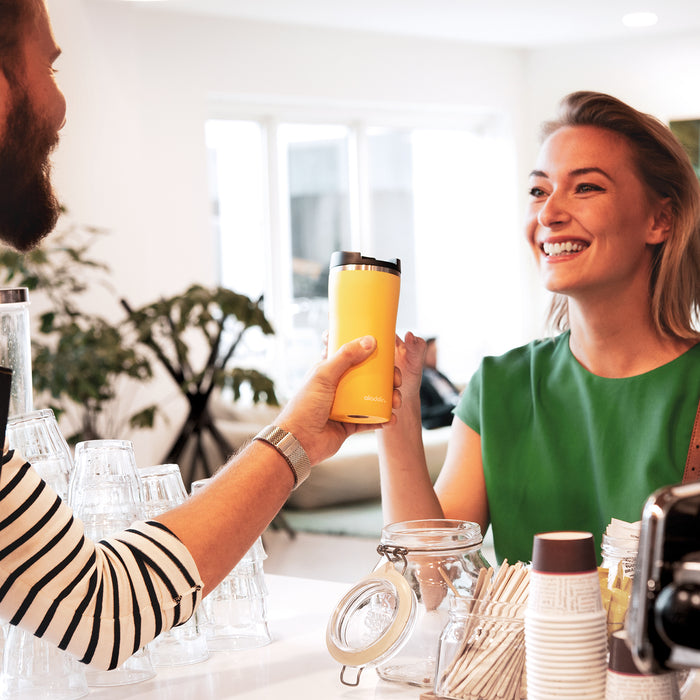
(15, 15)
(665, 169)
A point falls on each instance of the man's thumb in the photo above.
(350, 354)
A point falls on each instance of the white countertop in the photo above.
(295, 666)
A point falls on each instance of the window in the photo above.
(287, 192)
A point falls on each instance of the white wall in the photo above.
(660, 76)
(137, 83)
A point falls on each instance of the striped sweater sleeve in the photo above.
(99, 601)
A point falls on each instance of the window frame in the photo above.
(359, 118)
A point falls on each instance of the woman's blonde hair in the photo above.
(665, 169)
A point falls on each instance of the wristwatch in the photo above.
(290, 448)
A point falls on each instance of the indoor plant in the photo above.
(78, 357)
(204, 323)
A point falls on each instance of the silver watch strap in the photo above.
(290, 448)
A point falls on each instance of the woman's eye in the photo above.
(586, 187)
(537, 192)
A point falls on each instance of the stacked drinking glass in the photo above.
(235, 612)
(32, 668)
(164, 489)
(106, 494)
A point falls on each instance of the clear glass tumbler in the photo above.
(234, 614)
(164, 489)
(34, 669)
(105, 488)
(106, 494)
(37, 437)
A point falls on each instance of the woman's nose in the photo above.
(553, 211)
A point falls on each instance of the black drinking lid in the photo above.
(345, 257)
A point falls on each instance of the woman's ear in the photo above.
(662, 222)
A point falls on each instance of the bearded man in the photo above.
(32, 112)
(104, 601)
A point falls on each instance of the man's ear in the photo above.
(662, 222)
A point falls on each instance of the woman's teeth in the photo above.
(563, 248)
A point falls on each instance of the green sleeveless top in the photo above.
(564, 449)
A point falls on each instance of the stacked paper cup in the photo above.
(626, 682)
(565, 624)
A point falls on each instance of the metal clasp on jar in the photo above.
(394, 554)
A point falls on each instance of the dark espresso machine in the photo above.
(663, 622)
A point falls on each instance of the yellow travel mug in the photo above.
(363, 299)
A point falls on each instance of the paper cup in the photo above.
(621, 656)
(561, 598)
(556, 620)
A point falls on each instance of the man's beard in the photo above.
(29, 208)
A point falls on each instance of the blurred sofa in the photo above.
(350, 477)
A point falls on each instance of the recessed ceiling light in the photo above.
(640, 19)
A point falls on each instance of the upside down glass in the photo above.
(164, 489)
(33, 668)
(234, 614)
(104, 488)
(106, 494)
(37, 437)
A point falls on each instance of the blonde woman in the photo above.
(570, 431)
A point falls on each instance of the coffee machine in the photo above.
(663, 622)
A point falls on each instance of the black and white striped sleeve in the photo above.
(100, 601)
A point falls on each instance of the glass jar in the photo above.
(482, 651)
(619, 555)
(393, 618)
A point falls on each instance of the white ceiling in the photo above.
(515, 23)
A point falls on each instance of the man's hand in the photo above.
(306, 416)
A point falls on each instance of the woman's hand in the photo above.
(410, 355)
(307, 415)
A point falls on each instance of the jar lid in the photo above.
(372, 621)
(14, 295)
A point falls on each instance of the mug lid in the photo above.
(373, 620)
(344, 257)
